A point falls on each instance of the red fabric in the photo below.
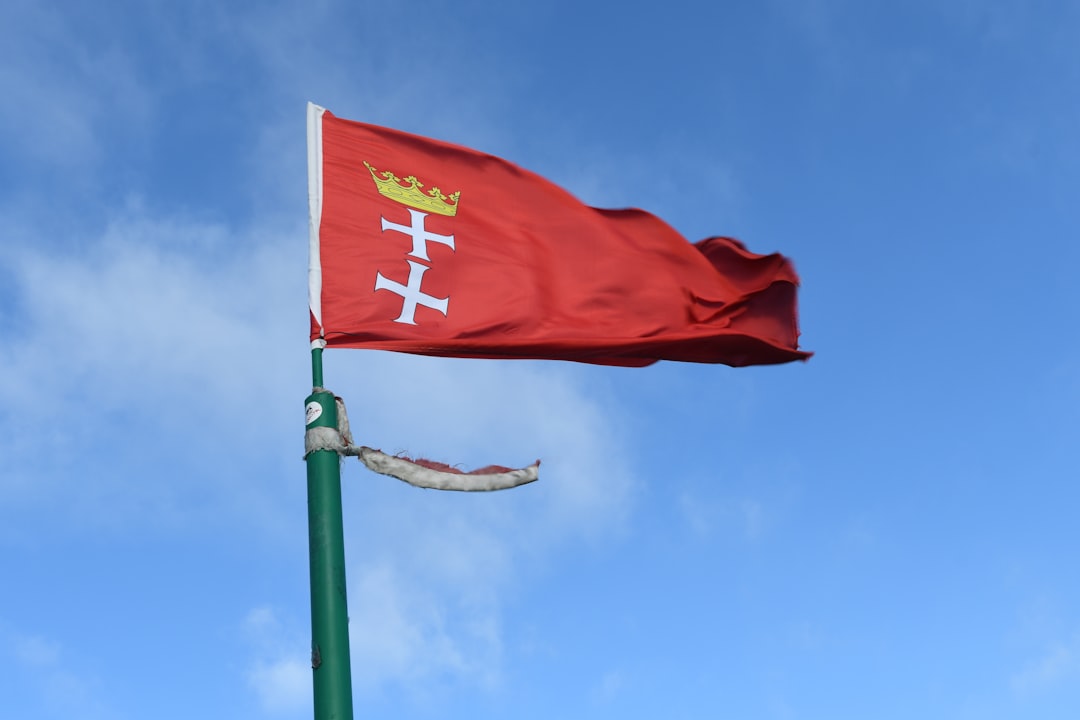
(532, 273)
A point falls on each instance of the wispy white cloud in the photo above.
(704, 515)
(165, 338)
(1059, 663)
(54, 685)
(402, 632)
(1004, 21)
(283, 685)
(36, 652)
(279, 672)
(608, 687)
(159, 339)
(431, 569)
(61, 86)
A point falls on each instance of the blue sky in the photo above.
(886, 531)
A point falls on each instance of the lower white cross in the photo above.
(411, 294)
(419, 234)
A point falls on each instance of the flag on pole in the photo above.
(425, 247)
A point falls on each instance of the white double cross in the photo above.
(410, 292)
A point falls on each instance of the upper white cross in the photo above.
(419, 234)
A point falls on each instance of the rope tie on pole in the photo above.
(419, 473)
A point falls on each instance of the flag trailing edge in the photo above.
(508, 265)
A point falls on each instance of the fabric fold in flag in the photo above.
(425, 247)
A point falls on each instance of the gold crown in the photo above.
(433, 201)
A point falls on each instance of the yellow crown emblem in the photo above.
(433, 201)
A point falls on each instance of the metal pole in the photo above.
(331, 672)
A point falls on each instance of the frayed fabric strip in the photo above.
(425, 477)
(422, 474)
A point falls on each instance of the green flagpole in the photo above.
(331, 672)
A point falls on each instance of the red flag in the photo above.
(424, 247)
